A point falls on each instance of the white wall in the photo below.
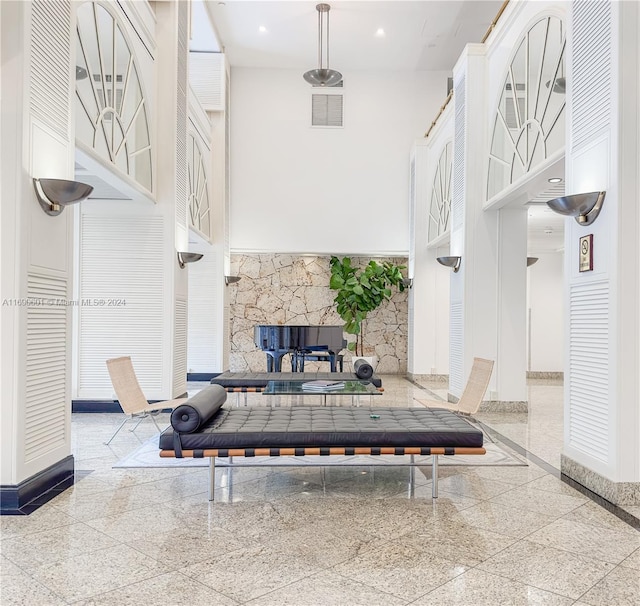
(546, 305)
(295, 188)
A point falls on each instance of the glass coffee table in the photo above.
(355, 389)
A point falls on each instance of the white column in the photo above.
(511, 358)
(488, 293)
(129, 247)
(473, 232)
(36, 251)
(602, 390)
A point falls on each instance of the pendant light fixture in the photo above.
(323, 76)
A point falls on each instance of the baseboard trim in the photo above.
(23, 498)
(201, 376)
(536, 374)
(417, 378)
(95, 406)
(618, 493)
(108, 405)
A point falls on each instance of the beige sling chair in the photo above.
(473, 392)
(130, 396)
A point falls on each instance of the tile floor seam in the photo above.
(262, 595)
(496, 574)
(38, 582)
(597, 583)
(527, 583)
(207, 587)
(562, 548)
(441, 585)
(359, 582)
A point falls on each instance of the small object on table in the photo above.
(321, 385)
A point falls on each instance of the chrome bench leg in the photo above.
(434, 477)
(412, 477)
(212, 476)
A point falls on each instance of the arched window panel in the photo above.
(199, 203)
(111, 112)
(529, 122)
(440, 204)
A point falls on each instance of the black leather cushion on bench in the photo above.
(260, 379)
(197, 410)
(301, 426)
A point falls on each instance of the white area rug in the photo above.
(147, 455)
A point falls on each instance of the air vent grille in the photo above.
(327, 110)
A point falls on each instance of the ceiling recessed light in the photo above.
(262, 29)
(555, 180)
(380, 32)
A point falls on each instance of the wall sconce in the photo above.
(453, 262)
(231, 280)
(583, 207)
(531, 261)
(188, 257)
(54, 194)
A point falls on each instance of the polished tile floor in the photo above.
(340, 536)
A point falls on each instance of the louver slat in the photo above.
(180, 347)
(591, 69)
(181, 117)
(589, 369)
(456, 350)
(106, 272)
(203, 331)
(50, 61)
(46, 364)
(459, 143)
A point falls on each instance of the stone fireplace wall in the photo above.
(292, 289)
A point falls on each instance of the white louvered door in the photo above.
(589, 369)
(122, 284)
(180, 348)
(45, 408)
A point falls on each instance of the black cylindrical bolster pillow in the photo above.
(363, 369)
(196, 411)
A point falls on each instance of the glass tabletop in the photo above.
(347, 388)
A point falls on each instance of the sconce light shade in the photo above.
(531, 261)
(583, 207)
(453, 262)
(188, 257)
(55, 194)
(231, 279)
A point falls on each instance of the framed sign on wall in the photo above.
(586, 253)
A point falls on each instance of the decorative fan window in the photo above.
(199, 208)
(529, 125)
(111, 114)
(440, 207)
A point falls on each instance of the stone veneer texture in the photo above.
(292, 289)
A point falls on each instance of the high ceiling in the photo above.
(419, 35)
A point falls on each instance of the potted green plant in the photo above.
(360, 291)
